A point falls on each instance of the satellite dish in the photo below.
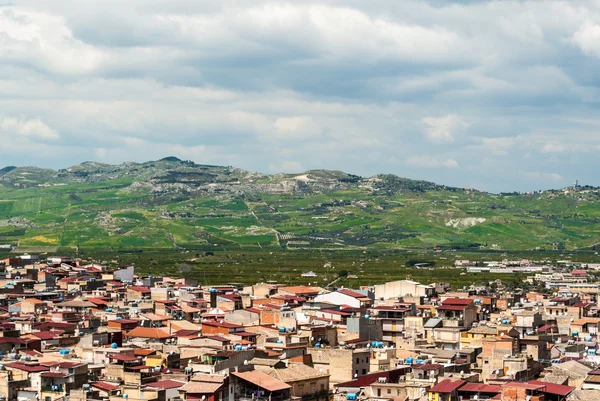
(245, 362)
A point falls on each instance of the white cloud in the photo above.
(33, 129)
(444, 129)
(431, 162)
(356, 86)
(538, 175)
(587, 38)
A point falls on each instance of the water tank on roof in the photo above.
(575, 333)
(588, 338)
(367, 316)
(108, 310)
(504, 321)
(419, 361)
(351, 396)
(61, 299)
(373, 343)
(318, 345)
(238, 348)
(409, 361)
(114, 345)
(282, 329)
(119, 318)
(592, 351)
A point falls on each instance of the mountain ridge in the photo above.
(174, 203)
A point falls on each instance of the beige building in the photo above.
(341, 364)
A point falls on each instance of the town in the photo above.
(78, 330)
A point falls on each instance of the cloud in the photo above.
(32, 129)
(431, 162)
(275, 86)
(537, 175)
(444, 129)
(587, 39)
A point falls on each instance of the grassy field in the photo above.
(248, 266)
(122, 213)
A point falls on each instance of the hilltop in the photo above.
(173, 203)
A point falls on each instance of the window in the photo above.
(322, 387)
(389, 391)
(364, 372)
(357, 361)
(300, 389)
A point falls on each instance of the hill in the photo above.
(171, 203)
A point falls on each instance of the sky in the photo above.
(498, 96)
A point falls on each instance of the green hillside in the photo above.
(179, 204)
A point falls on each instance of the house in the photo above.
(392, 320)
(446, 390)
(457, 312)
(206, 387)
(255, 384)
(345, 297)
(306, 382)
(341, 364)
(33, 306)
(398, 289)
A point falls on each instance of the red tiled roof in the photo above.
(139, 367)
(148, 332)
(452, 307)
(166, 384)
(138, 288)
(552, 388)
(457, 301)
(27, 368)
(218, 338)
(104, 386)
(546, 327)
(143, 352)
(48, 335)
(123, 358)
(352, 294)
(226, 325)
(447, 386)
(97, 301)
(481, 388)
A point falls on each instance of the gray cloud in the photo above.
(496, 95)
